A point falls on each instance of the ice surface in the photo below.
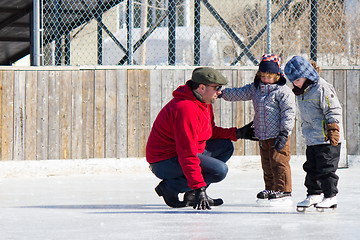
(119, 202)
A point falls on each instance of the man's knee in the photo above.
(228, 148)
(221, 173)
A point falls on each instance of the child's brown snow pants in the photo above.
(276, 166)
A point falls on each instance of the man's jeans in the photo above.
(212, 162)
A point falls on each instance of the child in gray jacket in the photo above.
(274, 119)
(321, 115)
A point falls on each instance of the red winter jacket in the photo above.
(181, 129)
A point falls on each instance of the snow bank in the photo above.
(112, 166)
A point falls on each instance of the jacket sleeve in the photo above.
(244, 93)
(287, 110)
(186, 138)
(330, 105)
(219, 132)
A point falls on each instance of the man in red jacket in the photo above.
(185, 147)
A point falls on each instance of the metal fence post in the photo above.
(268, 26)
(313, 30)
(35, 58)
(57, 33)
(67, 48)
(171, 32)
(130, 27)
(99, 36)
(197, 33)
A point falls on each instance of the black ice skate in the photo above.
(263, 197)
(280, 199)
(264, 194)
(279, 195)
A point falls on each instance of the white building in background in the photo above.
(214, 46)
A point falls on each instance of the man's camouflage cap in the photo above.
(208, 75)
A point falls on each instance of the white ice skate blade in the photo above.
(282, 202)
(325, 209)
(303, 209)
(263, 202)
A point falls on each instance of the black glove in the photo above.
(281, 140)
(201, 199)
(220, 95)
(246, 132)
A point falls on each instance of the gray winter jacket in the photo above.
(274, 106)
(318, 106)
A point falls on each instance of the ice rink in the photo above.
(116, 200)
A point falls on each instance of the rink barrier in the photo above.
(107, 112)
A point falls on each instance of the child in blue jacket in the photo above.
(321, 116)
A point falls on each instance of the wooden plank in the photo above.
(353, 111)
(340, 88)
(187, 74)
(155, 94)
(65, 114)
(238, 113)
(7, 117)
(144, 110)
(133, 113)
(54, 115)
(42, 122)
(99, 118)
(2, 77)
(328, 75)
(167, 83)
(251, 147)
(293, 141)
(88, 81)
(179, 78)
(31, 115)
(226, 114)
(121, 118)
(299, 137)
(76, 115)
(19, 115)
(110, 112)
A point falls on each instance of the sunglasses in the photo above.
(217, 88)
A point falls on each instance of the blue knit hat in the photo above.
(270, 63)
(299, 67)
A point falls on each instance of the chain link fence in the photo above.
(198, 32)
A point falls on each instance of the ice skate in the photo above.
(327, 203)
(263, 197)
(311, 200)
(280, 198)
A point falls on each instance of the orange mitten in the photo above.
(332, 134)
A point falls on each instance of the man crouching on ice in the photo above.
(185, 148)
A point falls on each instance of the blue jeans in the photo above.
(212, 162)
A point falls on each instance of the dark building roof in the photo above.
(16, 22)
(14, 30)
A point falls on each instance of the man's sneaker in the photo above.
(264, 194)
(279, 195)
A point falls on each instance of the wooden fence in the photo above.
(100, 112)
